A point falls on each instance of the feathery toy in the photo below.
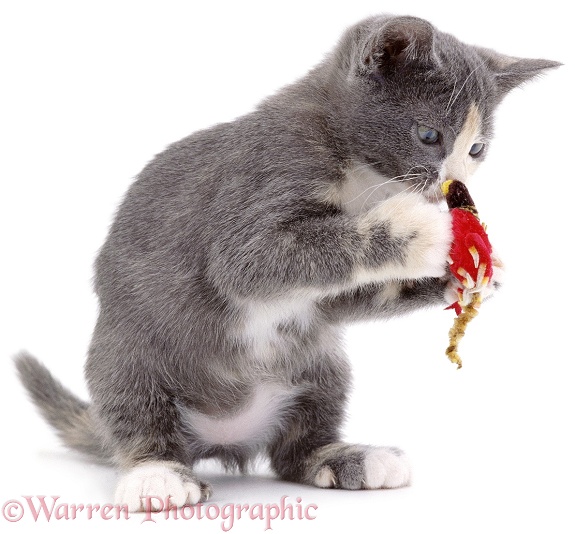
(470, 261)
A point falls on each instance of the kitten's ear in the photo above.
(511, 72)
(397, 42)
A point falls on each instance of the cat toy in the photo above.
(470, 261)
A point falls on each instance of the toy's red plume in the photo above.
(470, 260)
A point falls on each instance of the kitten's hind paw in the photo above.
(386, 467)
(360, 467)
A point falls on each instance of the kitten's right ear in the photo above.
(398, 42)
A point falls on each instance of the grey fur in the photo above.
(243, 215)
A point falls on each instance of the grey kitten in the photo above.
(239, 253)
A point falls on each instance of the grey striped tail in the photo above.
(65, 412)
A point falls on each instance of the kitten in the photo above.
(239, 253)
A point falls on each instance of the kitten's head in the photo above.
(418, 103)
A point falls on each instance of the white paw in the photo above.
(152, 486)
(386, 468)
(428, 251)
(427, 233)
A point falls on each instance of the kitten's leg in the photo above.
(324, 251)
(310, 450)
(141, 421)
(377, 301)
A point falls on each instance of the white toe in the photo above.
(325, 478)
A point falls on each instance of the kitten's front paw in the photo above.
(153, 486)
(425, 231)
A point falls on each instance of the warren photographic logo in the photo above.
(50, 508)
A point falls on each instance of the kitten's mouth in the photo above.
(431, 189)
(433, 193)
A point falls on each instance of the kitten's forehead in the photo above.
(446, 90)
(464, 78)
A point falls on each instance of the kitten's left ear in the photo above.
(511, 72)
(398, 42)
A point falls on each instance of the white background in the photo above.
(91, 91)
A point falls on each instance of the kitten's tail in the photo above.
(66, 413)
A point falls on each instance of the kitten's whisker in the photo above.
(376, 186)
(462, 86)
(419, 175)
(395, 179)
(382, 184)
(451, 96)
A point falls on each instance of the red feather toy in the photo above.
(470, 261)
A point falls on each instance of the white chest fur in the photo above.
(254, 424)
(260, 329)
(364, 188)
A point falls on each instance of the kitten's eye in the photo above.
(428, 135)
(476, 149)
